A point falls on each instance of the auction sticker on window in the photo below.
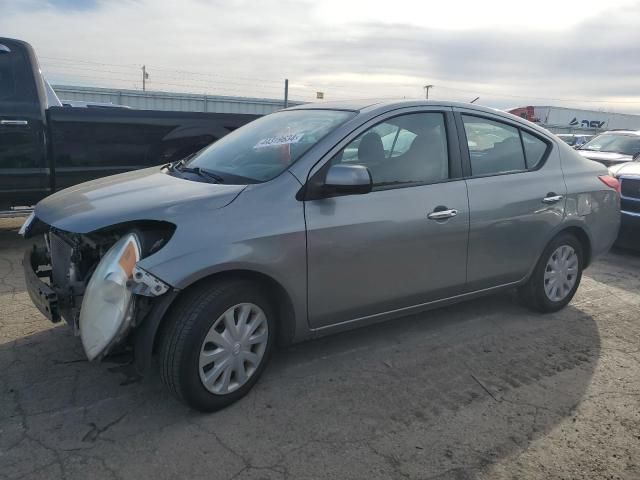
(281, 140)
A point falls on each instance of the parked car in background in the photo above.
(314, 220)
(574, 139)
(45, 146)
(628, 174)
(613, 147)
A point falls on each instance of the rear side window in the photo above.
(16, 77)
(534, 149)
(494, 147)
(7, 80)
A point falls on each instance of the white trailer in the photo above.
(573, 120)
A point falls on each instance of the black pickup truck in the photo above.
(45, 146)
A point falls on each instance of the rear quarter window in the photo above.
(534, 149)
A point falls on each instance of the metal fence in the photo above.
(184, 102)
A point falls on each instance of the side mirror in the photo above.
(4, 49)
(348, 180)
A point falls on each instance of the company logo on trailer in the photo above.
(586, 123)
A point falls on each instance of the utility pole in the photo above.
(426, 89)
(286, 92)
(145, 76)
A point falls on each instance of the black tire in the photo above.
(187, 325)
(532, 294)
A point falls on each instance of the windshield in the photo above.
(618, 143)
(262, 149)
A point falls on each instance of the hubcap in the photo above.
(561, 273)
(233, 348)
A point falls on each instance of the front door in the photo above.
(24, 174)
(404, 243)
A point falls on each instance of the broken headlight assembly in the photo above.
(107, 305)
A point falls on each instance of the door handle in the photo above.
(442, 214)
(14, 123)
(552, 198)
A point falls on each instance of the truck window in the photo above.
(7, 80)
(17, 82)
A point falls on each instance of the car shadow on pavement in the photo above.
(444, 393)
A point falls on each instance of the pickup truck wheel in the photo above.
(217, 343)
(556, 277)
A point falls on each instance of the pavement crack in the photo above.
(93, 434)
(485, 388)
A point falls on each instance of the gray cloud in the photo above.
(240, 39)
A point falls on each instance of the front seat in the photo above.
(371, 150)
(371, 155)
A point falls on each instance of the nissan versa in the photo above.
(313, 220)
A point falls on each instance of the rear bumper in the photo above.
(42, 295)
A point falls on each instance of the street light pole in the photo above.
(426, 89)
(145, 75)
(286, 92)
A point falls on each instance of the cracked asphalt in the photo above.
(484, 390)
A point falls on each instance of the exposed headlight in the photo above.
(107, 306)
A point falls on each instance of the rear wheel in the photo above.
(217, 343)
(556, 277)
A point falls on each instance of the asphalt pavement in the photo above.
(484, 389)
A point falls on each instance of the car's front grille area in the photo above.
(630, 187)
(630, 192)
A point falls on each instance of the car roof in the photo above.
(386, 104)
(624, 132)
(379, 106)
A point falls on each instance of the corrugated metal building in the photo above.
(184, 102)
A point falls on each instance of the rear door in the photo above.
(24, 174)
(516, 196)
(396, 246)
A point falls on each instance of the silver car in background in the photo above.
(310, 221)
(613, 148)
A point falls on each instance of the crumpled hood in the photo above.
(629, 168)
(147, 194)
(608, 158)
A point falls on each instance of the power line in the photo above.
(157, 67)
(171, 80)
(227, 82)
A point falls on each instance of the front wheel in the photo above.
(556, 276)
(217, 343)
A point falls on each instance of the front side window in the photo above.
(494, 147)
(407, 149)
(264, 148)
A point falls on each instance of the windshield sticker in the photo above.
(281, 140)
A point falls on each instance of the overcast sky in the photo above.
(509, 53)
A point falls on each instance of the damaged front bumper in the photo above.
(63, 294)
(36, 266)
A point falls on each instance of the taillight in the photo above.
(611, 182)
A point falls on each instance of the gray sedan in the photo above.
(310, 221)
